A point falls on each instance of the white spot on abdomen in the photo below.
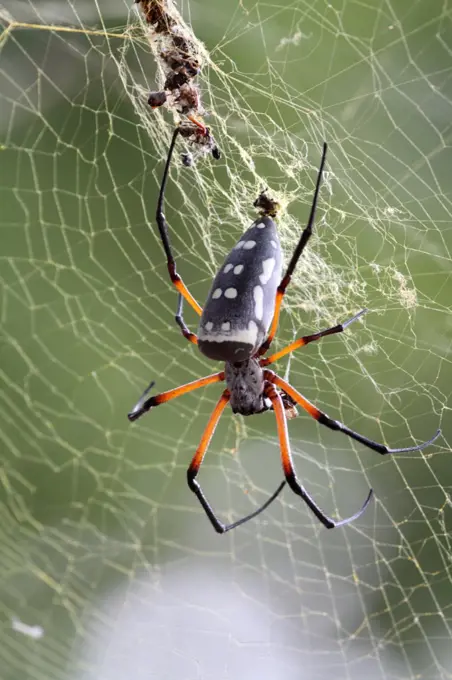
(239, 245)
(258, 295)
(274, 244)
(230, 293)
(208, 326)
(217, 294)
(226, 326)
(248, 245)
(267, 270)
(261, 225)
(246, 335)
(228, 268)
(238, 269)
(252, 327)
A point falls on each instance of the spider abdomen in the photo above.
(241, 301)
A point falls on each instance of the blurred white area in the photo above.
(35, 632)
(191, 623)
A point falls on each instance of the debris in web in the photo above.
(199, 140)
(268, 205)
(180, 61)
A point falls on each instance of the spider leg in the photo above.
(323, 419)
(304, 238)
(186, 332)
(143, 405)
(196, 462)
(163, 229)
(289, 471)
(306, 339)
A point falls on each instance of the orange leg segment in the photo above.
(143, 405)
(336, 425)
(306, 339)
(196, 462)
(292, 392)
(208, 433)
(289, 471)
(182, 288)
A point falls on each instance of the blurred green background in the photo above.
(108, 567)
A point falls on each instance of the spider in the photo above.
(237, 326)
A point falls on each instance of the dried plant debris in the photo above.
(180, 61)
(201, 141)
(266, 204)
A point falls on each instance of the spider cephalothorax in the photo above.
(245, 382)
(237, 326)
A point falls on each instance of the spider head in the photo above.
(245, 381)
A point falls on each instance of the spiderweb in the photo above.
(108, 566)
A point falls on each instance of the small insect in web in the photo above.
(237, 326)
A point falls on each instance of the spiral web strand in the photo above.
(107, 563)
